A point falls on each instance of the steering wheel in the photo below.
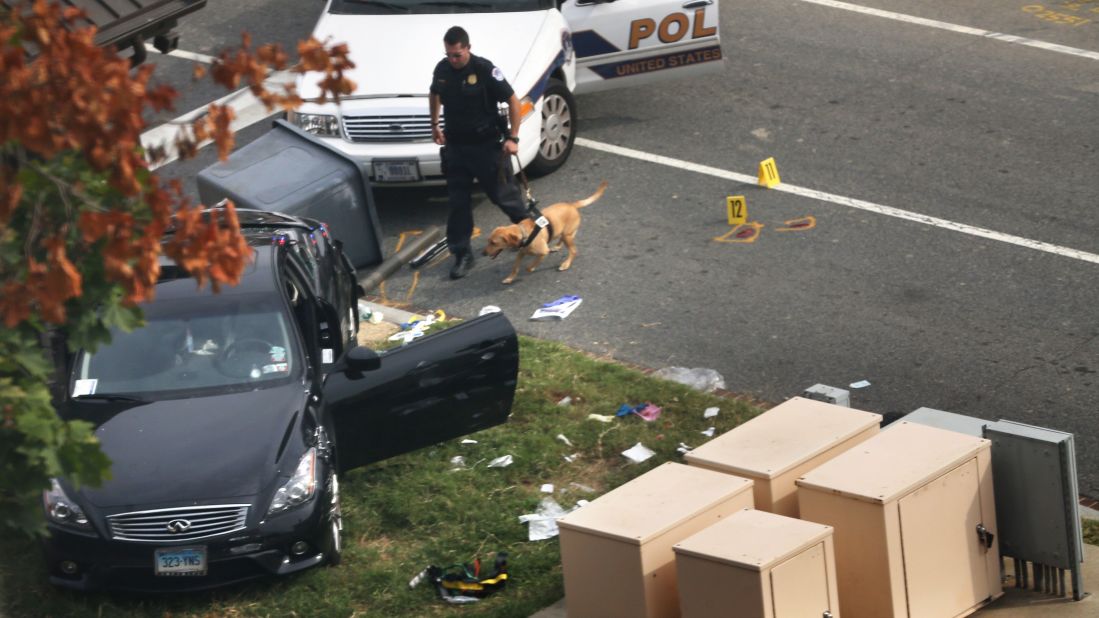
(240, 358)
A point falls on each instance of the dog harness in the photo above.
(540, 223)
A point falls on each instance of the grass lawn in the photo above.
(411, 511)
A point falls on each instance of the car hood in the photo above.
(192, 450)
(395, 54)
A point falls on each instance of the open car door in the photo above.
(438, 387)
(630, 42)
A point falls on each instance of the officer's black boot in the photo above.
(463, 263)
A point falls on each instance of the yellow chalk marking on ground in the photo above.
(800, 224)
(743, 233)
(415, 273)
(768, 173)
(737, 209)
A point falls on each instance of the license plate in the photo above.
(180, 561)
(402, 170)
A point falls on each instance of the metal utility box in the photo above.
(756, 564)
(616, 552)
(1039, 503)
(288, 170)
(915, 523)
(969, 425)
(828, 394)
(780, 445)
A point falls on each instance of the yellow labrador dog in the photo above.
(564, 218)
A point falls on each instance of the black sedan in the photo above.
(229, 417)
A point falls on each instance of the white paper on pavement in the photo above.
(556, 312)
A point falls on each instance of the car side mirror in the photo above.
(362, 358)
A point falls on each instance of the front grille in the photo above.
(199, 522)
(407, 128)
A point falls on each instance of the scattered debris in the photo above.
(572, 458)
(565, 401)
(602, 418)
(501, 462)
(547, 488)
(650, 412)
(698, 378)
(367, 314)
(709, 433)
(558, 309)
(638, 453)
(543, 522)
(710, 412)
(469, 441)
(564, 439)
(458, 462)
(646, 410)
(860, 384)
(582, 487)
(487, 309)
(460, 584)
(683, 448)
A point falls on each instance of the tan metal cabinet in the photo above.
(756, 564)
(914, 521)
(616, 552)
(780, 445)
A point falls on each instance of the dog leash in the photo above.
(540, 220)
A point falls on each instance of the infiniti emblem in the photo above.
(396, 128)
(177, 526)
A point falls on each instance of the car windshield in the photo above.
(390, 7)
(211, 342)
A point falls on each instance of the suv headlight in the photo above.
(60, 509)
(301, 486)
(318, 124)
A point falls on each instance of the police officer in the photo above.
(469, 89)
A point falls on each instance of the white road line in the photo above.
(179, 53)
(880, 209)
(931, 23)
(247, 108)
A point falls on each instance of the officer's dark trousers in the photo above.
(463, 164)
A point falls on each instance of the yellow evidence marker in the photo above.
(768, 173)
(737, 209)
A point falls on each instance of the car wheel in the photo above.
(558, 129)
(332, 547)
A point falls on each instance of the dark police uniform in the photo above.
(469, 97)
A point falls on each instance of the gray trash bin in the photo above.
(288, 170)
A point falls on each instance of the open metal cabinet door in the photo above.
(438, 387)
(632, 42)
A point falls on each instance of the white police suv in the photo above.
(548, 49)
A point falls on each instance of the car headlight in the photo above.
(318, 124)
(60, 509)
(301, 486)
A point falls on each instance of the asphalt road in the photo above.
(969, 130)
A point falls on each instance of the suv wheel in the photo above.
(558, 129)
